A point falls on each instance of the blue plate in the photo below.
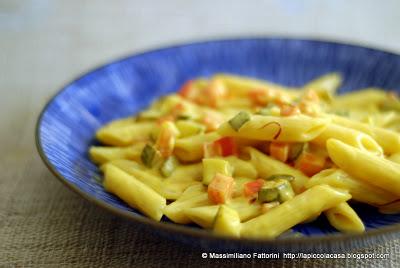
(66, 126)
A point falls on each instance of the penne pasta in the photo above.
(299, 128)
(349, 136)
(267, 166)
(125, 135)
(344, 219)
(244, 157)
(387, 139)
(134, 192)
(360, 191)
(302, 207)
(364, 166)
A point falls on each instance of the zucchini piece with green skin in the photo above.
(276, 190)
(227, 222)
(268, 194)
(295, 150)
(239, 120)
(148, 155)
(285, 191)
(169, 166)
(212, 166)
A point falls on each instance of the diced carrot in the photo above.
(188, 90)
(166, 139)
(212, 121)
(279, 151)
(226, 146)
(220, 188)
(311, 95)
(215, 92)
(261, 97)
(252, 188)
(165, 118)
(310, 164)
(288, 110)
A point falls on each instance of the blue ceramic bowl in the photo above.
(66, 127)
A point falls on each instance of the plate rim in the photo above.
(335, 238)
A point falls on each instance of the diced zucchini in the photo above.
(239, 120)
(278, 189)
(227, 222)
(268, 194)
(189, 128)
(150, 156)
(212, 166)
(295, 150)
(281, 176)
(285, 191)
(169, 166)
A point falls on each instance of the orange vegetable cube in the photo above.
(220, 189)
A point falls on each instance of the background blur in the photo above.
(46, 43)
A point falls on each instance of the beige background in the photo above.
(45, 43)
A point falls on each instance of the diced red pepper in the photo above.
(310, 164)
(226, 146)
(279, 151)
(253, 187)
(220, 188)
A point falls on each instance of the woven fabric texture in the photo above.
(43, 224)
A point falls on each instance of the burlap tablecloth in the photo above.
(44, 44)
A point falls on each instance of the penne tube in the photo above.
(182, 177)
(364, 166)
(267, 166)
(344, 219)
(360, 191)
(294, 211)
(242, 168)
(139, 172)
(125, 135)
(327, 83)
(349, 136)
(175, 210)
(391, 208)
(104, 154)
(389, 140)
(134, 192)
(366, 99)
(190, 149)
(395, 158)
(204, 216)
(240, 86)
(298, 128)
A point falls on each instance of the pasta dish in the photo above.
(248, 158)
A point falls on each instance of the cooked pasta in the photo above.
(248, 158)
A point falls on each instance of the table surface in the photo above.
(45, 44)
